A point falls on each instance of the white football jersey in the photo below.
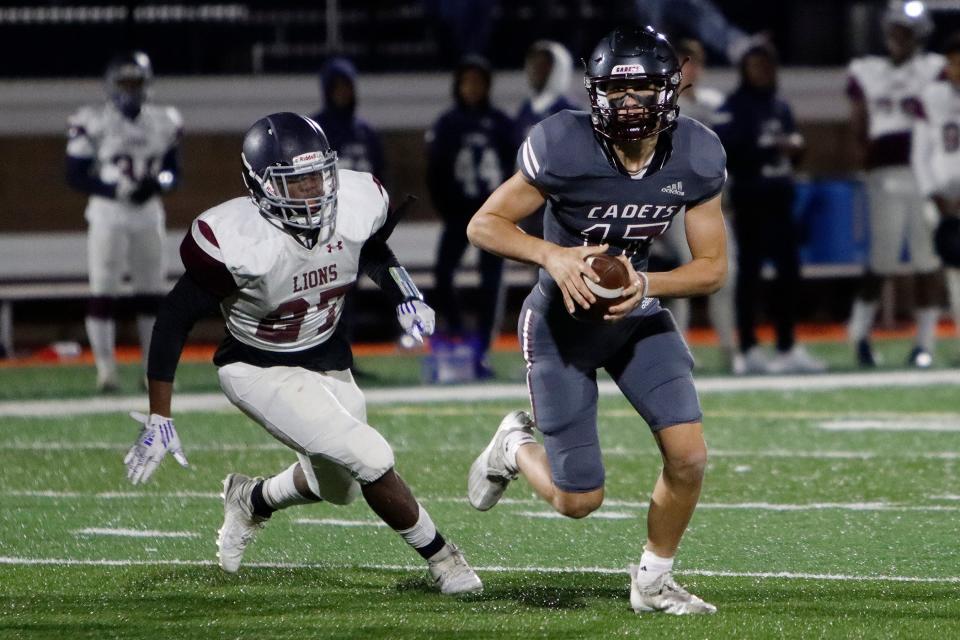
(936, 141)
(288, 297)
(891, 91)
(123, 149)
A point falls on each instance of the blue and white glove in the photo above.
(416, 319)
(157, 436)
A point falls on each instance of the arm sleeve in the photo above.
(80, 176)
(376, 259)
(531, 157)
(183, 306)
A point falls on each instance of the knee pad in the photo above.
(369, 454)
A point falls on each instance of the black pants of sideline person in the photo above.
(446, 301)
(765, 229)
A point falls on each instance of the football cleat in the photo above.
(756, 360)
(920, 358)
(797, 360)
(490, 473)
(240, 524)
(865, 356)
(665, 595)
(451, 573)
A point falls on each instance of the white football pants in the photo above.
(321, 416)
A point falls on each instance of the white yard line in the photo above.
(904, 423)
(134, 533)
(786, 575)
(472, 393)
(609, 503)
(335, 522)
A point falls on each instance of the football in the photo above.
(614, 278)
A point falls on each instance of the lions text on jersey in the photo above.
(891, 93)
(286, 297)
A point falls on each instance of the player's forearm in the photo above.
(497, 235)
(700, 276)
(161, 394)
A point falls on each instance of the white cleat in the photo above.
(490, 473)
(797, 360)
(665, 595)
(451, 572)
(240, 524)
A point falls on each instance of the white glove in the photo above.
(157, 436)
(416, 319)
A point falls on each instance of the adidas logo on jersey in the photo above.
(676, 189)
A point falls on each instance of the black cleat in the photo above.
(865, 357)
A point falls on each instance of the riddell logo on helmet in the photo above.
(628, 68)
(306, 158)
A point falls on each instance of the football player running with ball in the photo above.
(277, 265)
(613, 180)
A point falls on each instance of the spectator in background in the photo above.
(936, 164)
(357, 145)
(702, 18)
(883, 94)
(548, 67)
(760, 136)
(470, 151)
(124, 155)
(700, 103)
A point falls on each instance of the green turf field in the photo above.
(824, 514)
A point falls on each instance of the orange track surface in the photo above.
(506, 342)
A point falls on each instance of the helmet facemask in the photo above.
(641, 105)
(302, 197)
(128, 84)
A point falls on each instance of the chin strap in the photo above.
(405, 283)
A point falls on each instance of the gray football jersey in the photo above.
(590, 202)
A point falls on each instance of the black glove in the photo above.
(147, 188)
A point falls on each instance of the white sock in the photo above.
(279, 491)
(652, 566)
(145, 332)
(102, 335)
(861, 320)
(512, 443)
(423, 535)
(927, 328)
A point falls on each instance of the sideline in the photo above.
(186, 402)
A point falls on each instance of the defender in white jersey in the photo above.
(124, 154)
(277, 266)
(884, 94)
(936, 164)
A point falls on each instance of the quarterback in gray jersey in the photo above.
(613, 180)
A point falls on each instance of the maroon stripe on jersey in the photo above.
(854, 90)
(892, 150)
(210, 273)
(207, 233)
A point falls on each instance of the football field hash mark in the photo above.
(896, 424)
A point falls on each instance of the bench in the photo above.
(53, 266)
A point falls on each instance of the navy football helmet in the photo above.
(636, 59)
(291, 173)
(128, 79)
